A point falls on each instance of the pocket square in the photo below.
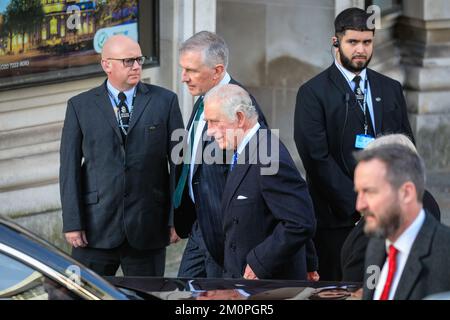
(241, 197)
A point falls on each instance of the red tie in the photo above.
(391, 271)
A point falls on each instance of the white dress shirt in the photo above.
(403, 245)
(198, 137)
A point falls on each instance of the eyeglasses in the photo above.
(129, 62)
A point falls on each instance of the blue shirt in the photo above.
(348, 75)
(114, 97)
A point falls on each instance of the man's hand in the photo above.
(174, 238)
(249, 274)
(313, 276)
(76, 238)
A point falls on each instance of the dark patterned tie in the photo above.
(234, 161)
(359, 93)
(124, 113)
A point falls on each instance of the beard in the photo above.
(387, 224)
(355, 67)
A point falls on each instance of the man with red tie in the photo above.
(407, 257)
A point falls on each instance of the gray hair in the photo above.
(395, 138)
(233, 99)
(214, 48)
(402, 165)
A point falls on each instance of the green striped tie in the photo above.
(184, 173)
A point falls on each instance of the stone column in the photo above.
(424, 33)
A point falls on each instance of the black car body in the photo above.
(33, 269)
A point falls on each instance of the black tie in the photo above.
(359, 93)
(124, 114)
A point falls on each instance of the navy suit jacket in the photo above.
(208, 183)
(268, 219)
(327, 120)
(115, 189)
(427, 270)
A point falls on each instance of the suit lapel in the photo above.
(340, 82)
(103, 102)
(376, 256)
(414, 265)
(236, 176)
(377, 101)
(143, 97)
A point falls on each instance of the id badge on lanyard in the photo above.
(362, 140)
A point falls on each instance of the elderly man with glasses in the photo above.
(115, 180)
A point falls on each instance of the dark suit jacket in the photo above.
(269, 228)
(208, 182)
(354, 248)
(115, 190)
(427, 270)
(325, 129)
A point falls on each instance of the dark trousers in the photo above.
(196, 261)
(134, 262)
(328, 243)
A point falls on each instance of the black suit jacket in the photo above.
(208, 182)
(268, 219)
(327, 120)
(427, 270)
(355, 246)
(115, 190)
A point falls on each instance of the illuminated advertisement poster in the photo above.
(46, 40)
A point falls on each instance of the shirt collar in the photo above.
(350, 75)
(225, 80)
(129, 93)
(405, 242)
(247, 137)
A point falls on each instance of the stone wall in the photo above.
(276, 46)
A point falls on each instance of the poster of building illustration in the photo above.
(37, 36)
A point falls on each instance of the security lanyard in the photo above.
(118, 111)
(364, 106)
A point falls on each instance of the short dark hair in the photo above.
(402, 165)
(352, 19)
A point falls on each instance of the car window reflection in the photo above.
(20, 282)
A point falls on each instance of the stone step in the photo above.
(31, 200)
(32, 97)
(20, 152)
(22, 118)
(33, 170)
(31, 135)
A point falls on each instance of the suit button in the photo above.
(235, 220)
(233, 247)
(125, 195)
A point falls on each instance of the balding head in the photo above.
(116, 48)
(118, 44)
